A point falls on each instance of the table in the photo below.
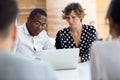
(81, 73)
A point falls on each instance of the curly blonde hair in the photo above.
(76, 7)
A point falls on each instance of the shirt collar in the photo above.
(25, 29)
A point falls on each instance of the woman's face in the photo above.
(73, 20)
(36, 24)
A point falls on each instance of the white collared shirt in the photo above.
(31, 46)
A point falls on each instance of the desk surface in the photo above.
(81, 73)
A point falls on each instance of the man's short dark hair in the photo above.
(8, 13)
(37, 10)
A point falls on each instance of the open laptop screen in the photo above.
(61, 58)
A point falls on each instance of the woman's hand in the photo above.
(79, 59)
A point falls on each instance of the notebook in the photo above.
(61, 59)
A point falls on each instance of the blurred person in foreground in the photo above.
(105, 56)
(11, 66)
(32, 37)
(77, 34)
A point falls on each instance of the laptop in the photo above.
(61, 59)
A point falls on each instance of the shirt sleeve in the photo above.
(15, 46)
(58, 41)
(92, 35)
(17, 42)
(48, 44)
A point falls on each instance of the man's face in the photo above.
(36, 24)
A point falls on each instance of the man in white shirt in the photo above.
(32, 37)
(13, 67)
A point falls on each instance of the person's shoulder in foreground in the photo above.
(106, 46)
(16, 68)
(104, 56)
(11, 66)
